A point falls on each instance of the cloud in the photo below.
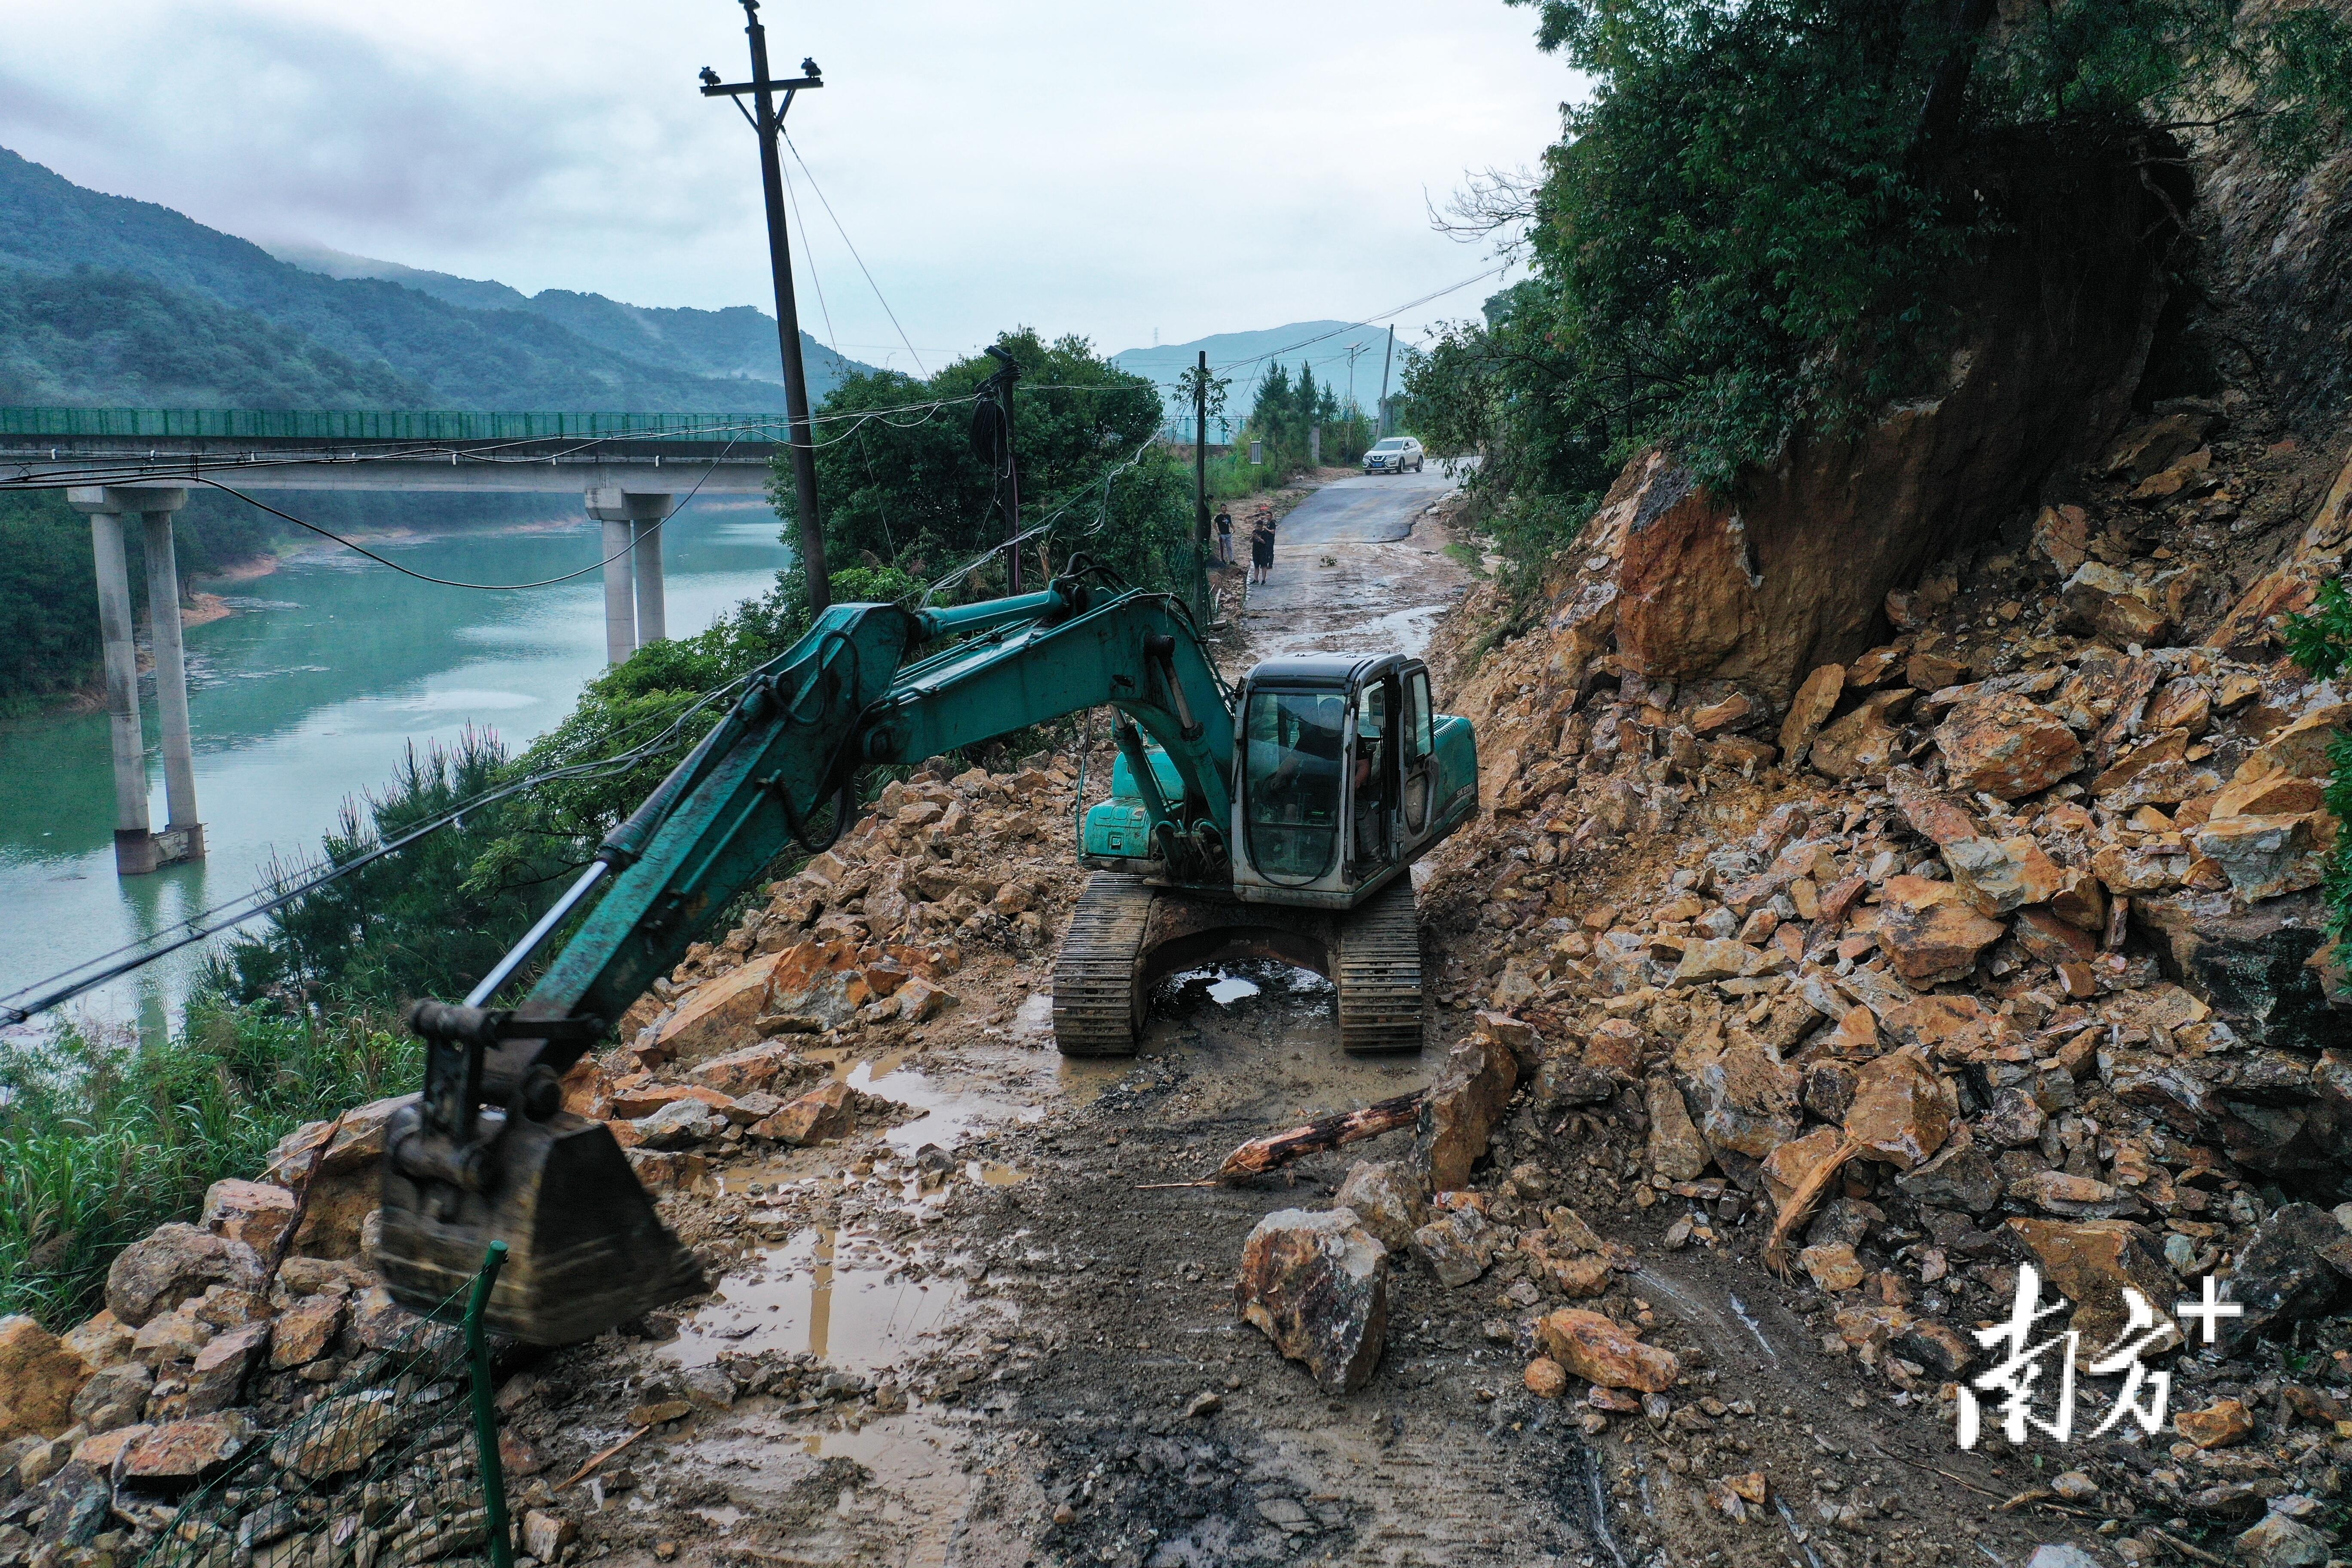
(1103, 169)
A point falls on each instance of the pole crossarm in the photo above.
(735, 89)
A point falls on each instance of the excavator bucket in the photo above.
(584, 1249)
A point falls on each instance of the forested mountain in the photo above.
(737, 341)
(343, 339)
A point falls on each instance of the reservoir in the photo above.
(306, 697)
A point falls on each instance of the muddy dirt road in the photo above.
(995, 1328)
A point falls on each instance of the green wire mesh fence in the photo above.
(397, 1464)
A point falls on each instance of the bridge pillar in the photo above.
(138, 849)
(620, 594)
(633, 610)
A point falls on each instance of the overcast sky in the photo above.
(1108, 168)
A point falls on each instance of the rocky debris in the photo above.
(1387, 1196)
(254, 1213)
(1997, 943)
(173, 1263)
(39, 1377)
(1596, 1348)
(1464, 1105)
(179, 1454)
(1316, 1284)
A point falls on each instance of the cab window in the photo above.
(1291, 783)
(1419, 737)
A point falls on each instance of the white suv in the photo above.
(1394, 455)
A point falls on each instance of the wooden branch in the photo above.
(589, 1468)
(1259, 1155)
(1801, 1204)
(285, 1242)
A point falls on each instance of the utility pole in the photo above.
(1385, 361)
(1008, 480)
(1201, 455)
(1201, 490)
(770, 126)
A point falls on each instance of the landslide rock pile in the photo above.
(856, 947)
(1997, 942)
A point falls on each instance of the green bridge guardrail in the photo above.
(379, 425)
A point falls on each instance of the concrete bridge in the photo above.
(630, 470)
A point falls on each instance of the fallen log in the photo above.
(1259, 1155)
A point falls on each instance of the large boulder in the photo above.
(2253, 967)
(38, 1379)
(1599, 1349)
(1463, 1108)
(2279, 1276)
(254, 1213)
(1931, 932)
(2007, 745)
(1387, 1196)
(346, 1182)
(1677, 1151)
(172, 1263)
(1317, 1286)
(1902, 1112)
(2090, 1262)
(1745, 1098)
(179, 1454)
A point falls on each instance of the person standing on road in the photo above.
(1262, 549)
(1224, 537)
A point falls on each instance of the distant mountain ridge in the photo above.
(181, 294)
(1242, 357)
(737, 342)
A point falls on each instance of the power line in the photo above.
(1379, 316)
(793, 204)
(853, 251)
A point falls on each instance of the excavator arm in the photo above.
(487, 1152)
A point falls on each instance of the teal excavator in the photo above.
(1279, 820)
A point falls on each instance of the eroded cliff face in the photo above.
(1790, 568)
(2274, 250)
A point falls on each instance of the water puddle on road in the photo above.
(844, 1298)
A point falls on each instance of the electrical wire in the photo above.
(906, 342)
(793, 205)
(1367, 322)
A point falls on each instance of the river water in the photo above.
(307, 696)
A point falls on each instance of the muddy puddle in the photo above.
(849, 1300)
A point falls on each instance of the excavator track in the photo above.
(1379, 973)
(1098, 993)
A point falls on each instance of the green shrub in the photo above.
(100, 1142)
(2322, 643)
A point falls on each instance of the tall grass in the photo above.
(102, 1143)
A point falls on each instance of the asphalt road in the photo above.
(1367, 509)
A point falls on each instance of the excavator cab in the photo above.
(1345, 775)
